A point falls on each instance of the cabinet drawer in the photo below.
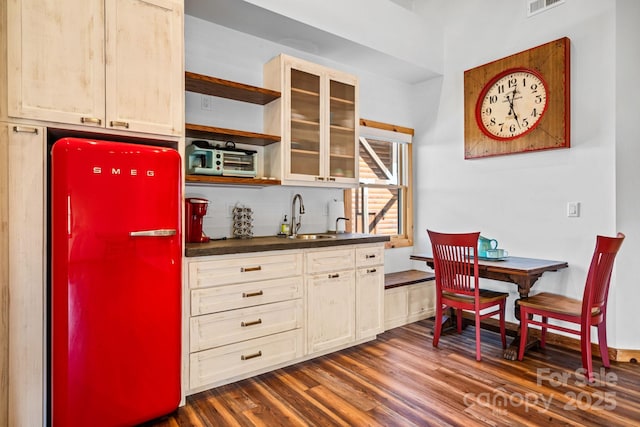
(229, 270)
(228, 327)
(330, 260)
(371, 255)
(218, 364)
(241, 295)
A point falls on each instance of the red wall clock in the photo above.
(519, 103)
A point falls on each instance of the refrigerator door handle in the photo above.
(163, 232)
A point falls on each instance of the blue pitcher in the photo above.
(485, 244)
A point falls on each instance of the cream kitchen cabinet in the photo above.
(22, 284)
(246, 315)
(407, 304)
(115, 64)
(369, 291)
(330, 310)
(345, 295)
(317, 119)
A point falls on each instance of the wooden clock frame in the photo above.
(551, 62)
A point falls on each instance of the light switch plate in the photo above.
(573, 209)
(207, 102)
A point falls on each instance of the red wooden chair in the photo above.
(457, 284)
(591, 311)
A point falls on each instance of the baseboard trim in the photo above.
(618, 355)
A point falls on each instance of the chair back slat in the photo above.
(456, 268)
(596, 291)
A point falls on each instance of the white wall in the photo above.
(625, 295)
(220, 52)
(378, 24)
(520, 200)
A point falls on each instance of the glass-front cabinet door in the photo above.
(342, 131)
(305, 148)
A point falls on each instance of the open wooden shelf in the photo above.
(233, 180)
(222, 134)
(214, 86)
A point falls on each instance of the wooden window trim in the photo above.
(396, 241)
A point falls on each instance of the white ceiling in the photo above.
(251, 19)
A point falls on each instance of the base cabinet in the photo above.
(344, 295)
(330, 282)
(330, 310)
(369, 291)
(407, 304)
(251, 313)
(246, 314)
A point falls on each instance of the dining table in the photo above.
(523, 272)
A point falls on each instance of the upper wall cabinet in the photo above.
(317, 119)
(115, 64)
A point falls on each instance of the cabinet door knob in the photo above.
(373, 270)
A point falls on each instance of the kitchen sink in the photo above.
(312, 236)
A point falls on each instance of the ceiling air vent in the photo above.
(536, 6)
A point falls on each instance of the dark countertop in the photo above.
(273, 243)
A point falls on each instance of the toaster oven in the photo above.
(217, 161)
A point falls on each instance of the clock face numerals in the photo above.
(512, 105)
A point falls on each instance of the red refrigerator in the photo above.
(116, 256)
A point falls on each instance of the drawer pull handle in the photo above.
(251, 294)
(369, 256)
(246, 269)
(373, 270)
(115, 123)
(251, 323)
(92, 120)
(251, 356)
(319, 178)
(334, 276)
(25, 129)
(331, 178)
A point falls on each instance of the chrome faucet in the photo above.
(296, 223)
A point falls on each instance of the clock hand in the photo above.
(511, 109)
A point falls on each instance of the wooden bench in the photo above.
(409, 296)
(408, 277)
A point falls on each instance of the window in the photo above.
(382, 203)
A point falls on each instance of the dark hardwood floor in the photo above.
(401, 380)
